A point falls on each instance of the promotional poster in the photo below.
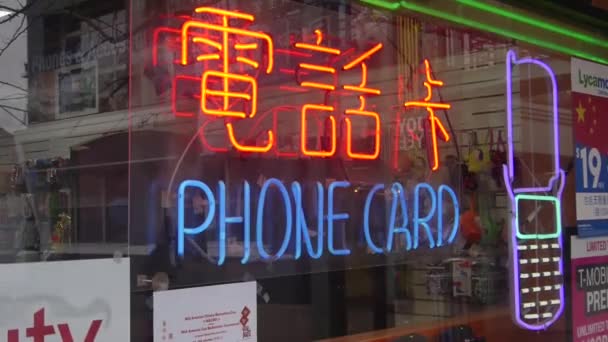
(60, 301)
(590, 102)
(589, 289)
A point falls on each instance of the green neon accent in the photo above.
(502, 32)
(534, 22)
(558, 216)
(382, 3)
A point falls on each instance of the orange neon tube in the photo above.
(227, 76)
(247, 61)
(319, 34)
(362, 87)
(434, 123)
(363, 56)
(225, 13)
(349, 135)
(318, 68)
(304, 136)
(229, 94)
(245, 148)
(207, 57)
(363, 75)
(225, 30)
(208, 42)
(435, 147)
(323, 86)
(251, 46)
(225, 61)
(363, 90)
(428, 104)
(444, 132)
(318, 48)
(362, 101)
(429, 91)
(427, 67)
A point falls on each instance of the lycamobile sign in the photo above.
(590, 80)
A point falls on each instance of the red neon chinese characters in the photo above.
(361, 111)
(309, 108)
(326, 79)
(220, 88)
(435, 123)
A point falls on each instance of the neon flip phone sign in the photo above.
(537, 292)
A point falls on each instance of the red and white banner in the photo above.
(65, 301)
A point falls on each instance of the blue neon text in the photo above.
(317, 226)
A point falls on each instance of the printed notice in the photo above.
(590, 289)
(204, 314)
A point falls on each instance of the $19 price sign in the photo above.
(591, 193)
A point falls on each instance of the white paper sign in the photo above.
(203, 314)
(80, 301)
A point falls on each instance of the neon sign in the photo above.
(225, 76)
(232, 58)
(296, 226)
(362, 89)
(430, 107)
(536, 258)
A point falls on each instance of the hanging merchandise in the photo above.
(498, 156)
(485, 204)
(478, 158)
(470, 225)
(469, 179)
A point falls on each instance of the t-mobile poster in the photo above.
(589, 289)
(85, 300)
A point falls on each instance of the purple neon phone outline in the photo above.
(508, 176)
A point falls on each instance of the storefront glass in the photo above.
(301, 170)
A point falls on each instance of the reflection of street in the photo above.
(13, 86)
